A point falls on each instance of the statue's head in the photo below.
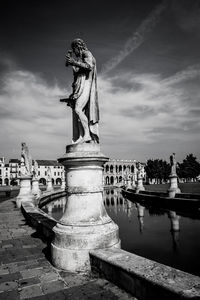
(78, 46)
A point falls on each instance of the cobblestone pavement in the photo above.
(26, 273)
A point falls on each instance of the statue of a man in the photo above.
(35, 169)
(83, 100)
(49, 175)
(173, 163)
(26, 161)
(139, 171)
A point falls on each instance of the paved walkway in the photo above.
(25, 272)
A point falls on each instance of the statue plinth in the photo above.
(49, 185)
(139, 186)
(173, 189)
(63, 185)
(35, 188)
(85, 224)
(25, 193)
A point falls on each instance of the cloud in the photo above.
(30, 111)
(141, 115)
(160, 111)
(137, 38)
(189, 73)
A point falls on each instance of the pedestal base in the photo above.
(63, 185)
(25, 194)
(173, 189)
(49, 186)
(85, 224)
(71, 246)
(35, 188)
(139, 186)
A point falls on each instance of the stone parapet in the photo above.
(143, 278)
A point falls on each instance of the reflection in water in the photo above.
(148, 231)
(140, 211)
(175, 228)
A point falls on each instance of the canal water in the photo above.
(161, 235)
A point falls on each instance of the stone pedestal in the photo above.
(49, 186)
(173, 189)
(139, 186)
(85, 224)
(25, 193)
(63, 185)
(35, 188)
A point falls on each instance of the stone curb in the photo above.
(144, 278)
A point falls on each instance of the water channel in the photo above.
(161, 235)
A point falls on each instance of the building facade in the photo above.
(4, 172)
(10, 173)
(116, 172)
(56, 171)
(119, 172)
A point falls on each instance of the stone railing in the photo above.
(144, 278)
(47, 197)
(38, 218)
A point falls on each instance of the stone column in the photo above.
(139, 186)
(63, 184)
(173, 178)
(49, 185)
(85, 224)
(25, 193)
(173, 189)
(35, 188)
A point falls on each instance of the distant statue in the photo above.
(140, 171)
(35, 169)
(63, 175)
(49, 175)
(26, 161)
(173, 163)
(84, 99)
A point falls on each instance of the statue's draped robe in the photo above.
(85, 85)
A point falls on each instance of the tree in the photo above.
(189, 168)
(157, 169)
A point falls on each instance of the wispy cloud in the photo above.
(190, 73)
(137, 38)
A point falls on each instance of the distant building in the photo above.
(117, 172)
(56, 171)
(10, 173)
(2, 166)
(14, 166)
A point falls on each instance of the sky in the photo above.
(148, 64)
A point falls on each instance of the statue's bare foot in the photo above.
(80, 140)
(86, 139)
